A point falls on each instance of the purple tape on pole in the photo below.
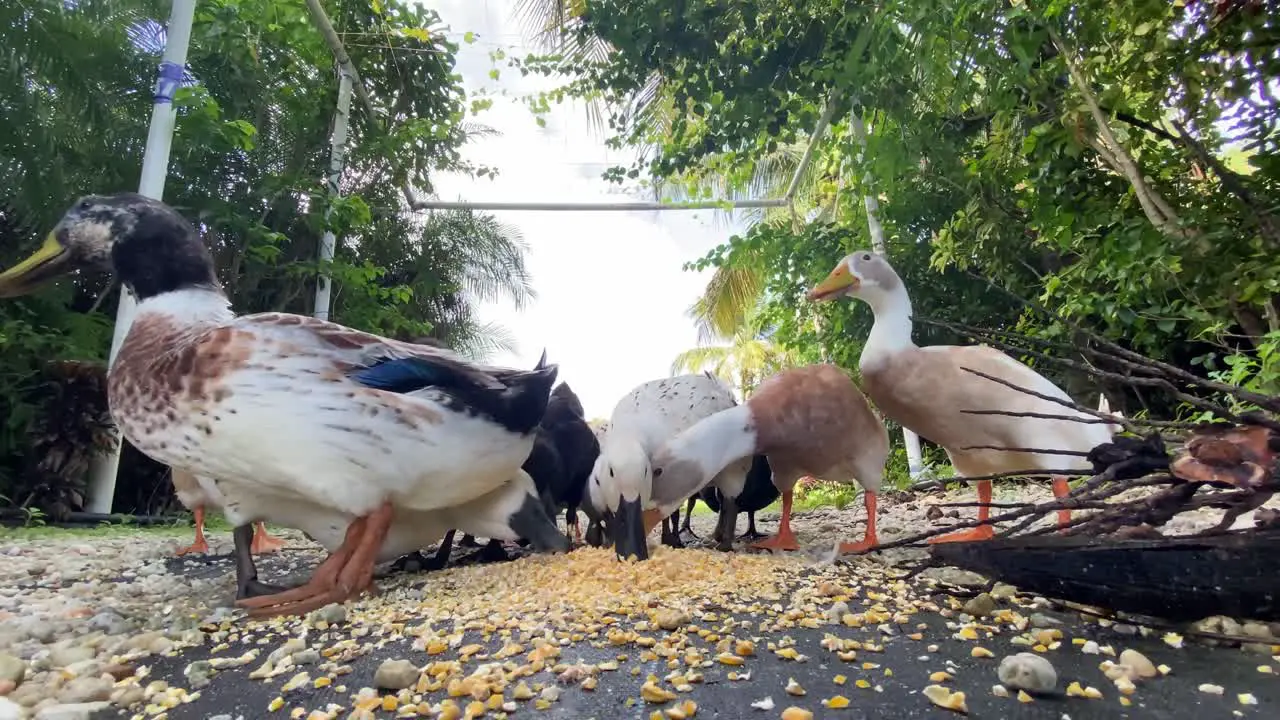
(167, 81)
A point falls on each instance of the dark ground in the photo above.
(1174, 696)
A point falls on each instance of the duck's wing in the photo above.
(516, 399)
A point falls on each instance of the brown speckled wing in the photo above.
(352, 348)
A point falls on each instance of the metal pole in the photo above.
(337, 156)
(155, 169)
(910, 440)
(606, 206)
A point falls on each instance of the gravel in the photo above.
(89, 623)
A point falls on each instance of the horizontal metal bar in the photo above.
(596, 207)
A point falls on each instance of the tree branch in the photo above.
(1157, 210)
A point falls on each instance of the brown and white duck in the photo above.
(808, 421)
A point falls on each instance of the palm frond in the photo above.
(732, 293)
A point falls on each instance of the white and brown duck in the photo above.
(807, 421)
(928, 390)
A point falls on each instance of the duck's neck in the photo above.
(717, 440)
(891, 331)
(190, 305)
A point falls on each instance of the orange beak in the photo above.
(835, 283)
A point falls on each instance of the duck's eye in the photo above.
(866, 256)
(610, 471)
(84, 204)
(657, 472)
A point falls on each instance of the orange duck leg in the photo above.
(200, 545)
(869, 541)
(346, 573)
(785, 539)
(264, 542)
(982, 532)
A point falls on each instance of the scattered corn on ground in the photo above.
(541, 633)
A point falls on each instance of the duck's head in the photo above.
(864, 274)
(151, 248)
(619, 487)
(512, 512)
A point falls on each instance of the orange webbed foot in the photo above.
(983, 532)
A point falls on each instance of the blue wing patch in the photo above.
(403, 375)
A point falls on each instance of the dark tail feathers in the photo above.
(526, 397)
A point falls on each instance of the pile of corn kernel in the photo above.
(487, 641)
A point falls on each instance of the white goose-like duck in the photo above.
(292, 418)
(622, 488)
(927, 390)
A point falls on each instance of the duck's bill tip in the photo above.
(45, 264)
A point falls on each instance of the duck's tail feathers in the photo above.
(542, 361)
(526, 397)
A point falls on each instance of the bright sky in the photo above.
(611, 292)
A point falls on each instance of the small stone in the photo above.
(128, 696)
(142, 641)
(119, 671)
(12, 669)
(42, 631)
(671, 619)
(1139, 662)
(1028, 671)
(954, 576)
(72, 711)
(395, 674)
(84, 668)
(109, 622)
(331, 613)
(63, 656)
(306, 657)
(980, 605)
(1257, 630)
(199, 674)
(1040, 620)
(1003, 591)
(289, 647)
(85, 690)
(160, 645)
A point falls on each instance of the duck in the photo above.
(194, 498)
(564, 450)
(629, 499)
(928, 390)
(808, 421)
(594, 536)
(758, 494)
(288, 415)
(510, 512)
(569, 449)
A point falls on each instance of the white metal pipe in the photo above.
(155, 169)
(604, 206)
(337, 157)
